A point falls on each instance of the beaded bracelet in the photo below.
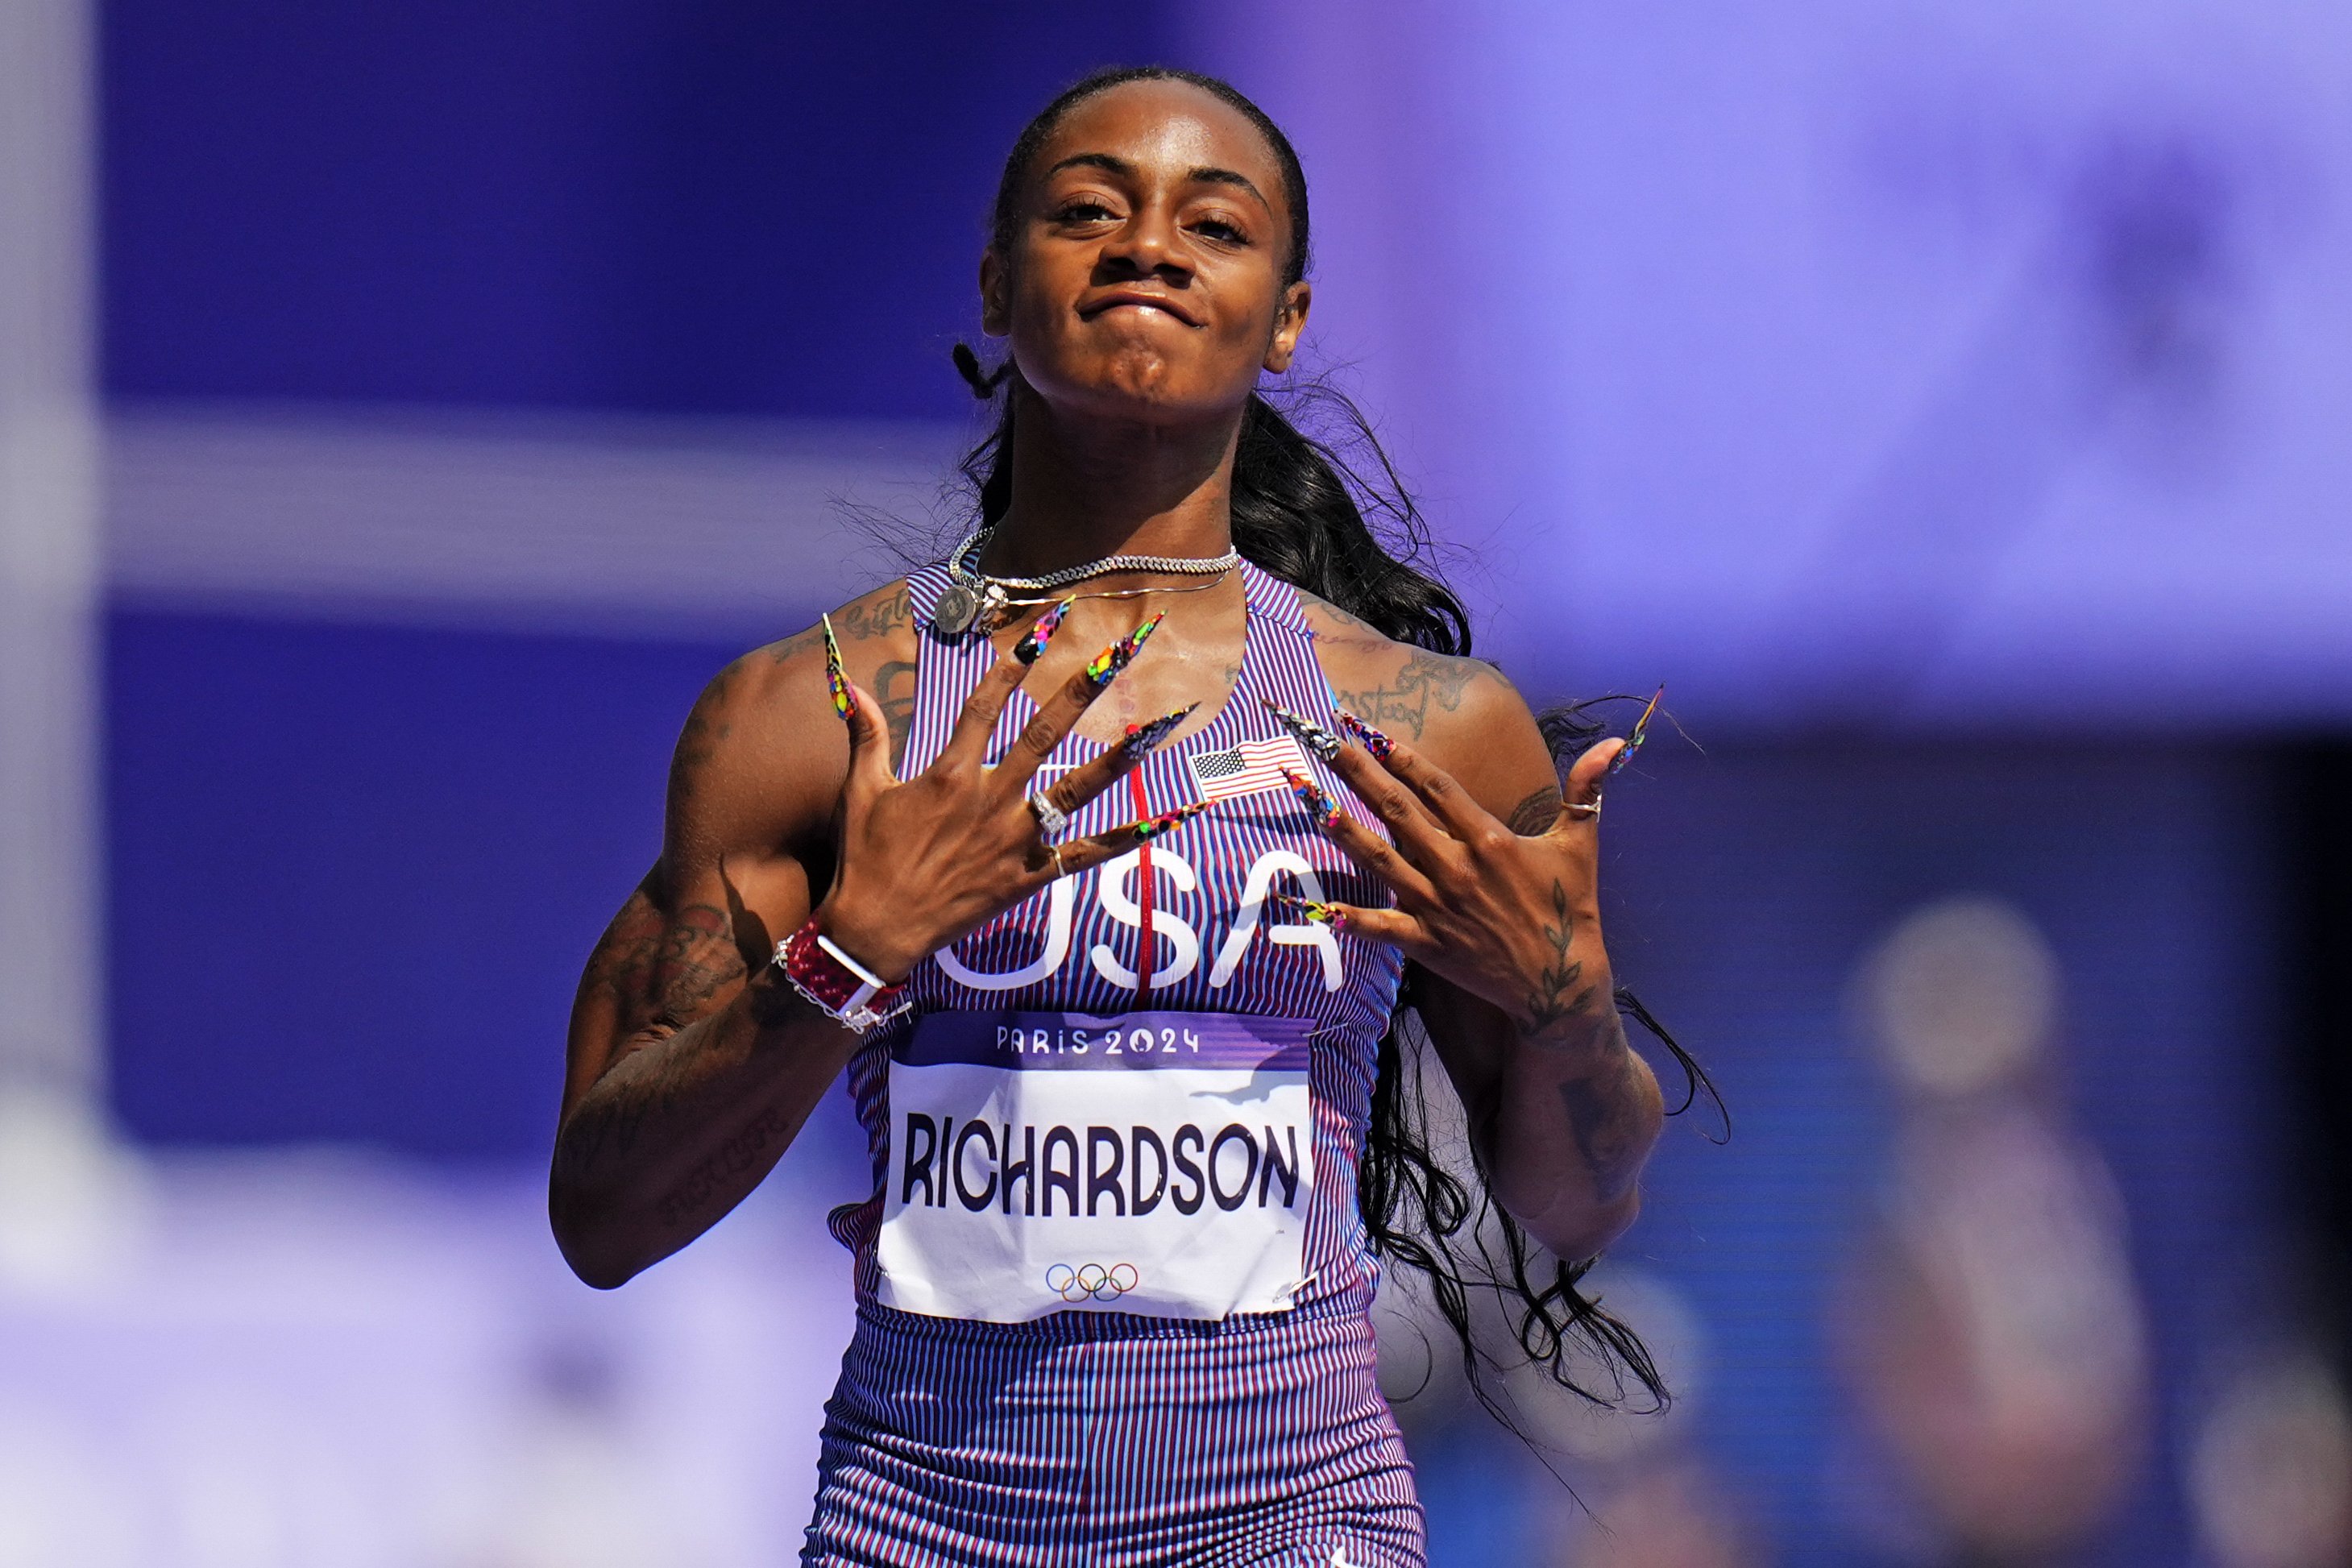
(837, 985)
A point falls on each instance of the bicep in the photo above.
(743, 811)
(1488, 743)
(681, 947)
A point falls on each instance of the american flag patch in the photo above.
(1248, 768)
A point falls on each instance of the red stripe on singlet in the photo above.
(1147, 941)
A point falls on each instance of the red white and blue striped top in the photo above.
(1207, 889)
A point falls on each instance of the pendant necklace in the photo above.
(973, 598)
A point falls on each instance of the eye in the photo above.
(1217, 228)
(1083, 210)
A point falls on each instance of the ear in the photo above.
(995, 292)
(1289, 320)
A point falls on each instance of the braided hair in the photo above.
(1328, 514)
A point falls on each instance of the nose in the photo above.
(1148, 245)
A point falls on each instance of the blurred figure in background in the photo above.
(1991, 1330)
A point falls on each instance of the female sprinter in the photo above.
(1096, 856)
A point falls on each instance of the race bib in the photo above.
(1152, 1162)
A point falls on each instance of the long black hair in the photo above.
(1328, 513)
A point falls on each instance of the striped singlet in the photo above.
(1180, 1369)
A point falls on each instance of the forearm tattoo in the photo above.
(661, 972)
(714, 1176)
(1600, 1116)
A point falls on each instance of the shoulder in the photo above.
(1420, 696)
(762, 757)
(1462, 713)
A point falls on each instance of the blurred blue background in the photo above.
(1945, 401)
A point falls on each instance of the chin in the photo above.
(1138, 383)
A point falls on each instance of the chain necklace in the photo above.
(973, 598)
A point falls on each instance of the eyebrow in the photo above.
(1205, 175)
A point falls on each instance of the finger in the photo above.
(1082, 784)
(869, 751)
(1580, 805)
(1367, 850)
(1059, 712)
(976, 722)
(1421, 805)
(1374, 777)
(869, 739)
(1435, 788)
(1081, 854)
(1394, 927)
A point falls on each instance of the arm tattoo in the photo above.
(859, 622)
(1537, 813)
(663, 973)
(698, 742)
(791, 648)
(1604, 1135)
(732, 1158)
(893, 688)
(1556, 996)
(1355, 622)
(698, 961)
(1427, 680)
(876, 618)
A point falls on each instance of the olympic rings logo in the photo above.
(1091, 1280)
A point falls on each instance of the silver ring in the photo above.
(1057, 860)
(1585, 807)
(1050, 818)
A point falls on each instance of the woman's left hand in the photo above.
(1512, 918)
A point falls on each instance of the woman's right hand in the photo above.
(926, 860)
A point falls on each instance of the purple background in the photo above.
(1945, 401)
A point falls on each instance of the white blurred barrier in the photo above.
(607, 524)
(313, 1361)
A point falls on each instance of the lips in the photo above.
(1097, 307)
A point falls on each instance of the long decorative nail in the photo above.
(1033, 641)
(1640, 733)
(1143, 832)
(1120, 654)
(1321, 806)
(1143, 739)
(1371, 740)
(1321, 914)
(1313, 736)
(835, 681)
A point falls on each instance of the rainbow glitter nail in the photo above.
(1033, 641)
(1313, 736)
(835, 681)
(1371, 740)
(1321, 806)
(1144, 832)
(1142, 739)
(1640, 733)
(1120, 654)
(1321, 914)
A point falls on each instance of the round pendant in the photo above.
(954, 615)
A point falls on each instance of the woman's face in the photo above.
(1145, 277)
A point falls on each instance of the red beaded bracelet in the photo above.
(836, 983)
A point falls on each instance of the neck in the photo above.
(1083, 490)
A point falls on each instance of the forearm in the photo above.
(1581, 1112)
(679, 1131)
(1563, 1117)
